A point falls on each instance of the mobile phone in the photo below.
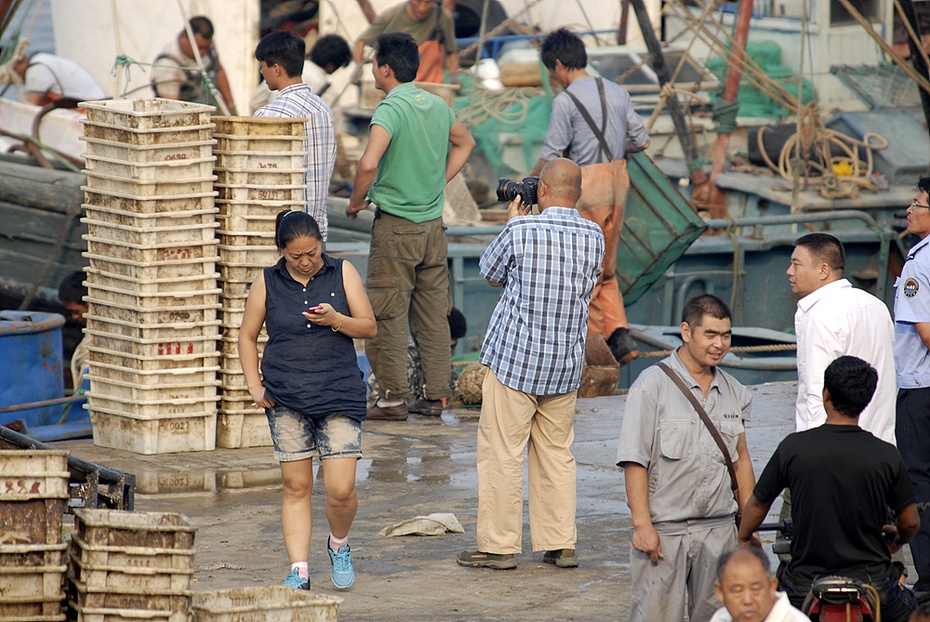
(315, 309)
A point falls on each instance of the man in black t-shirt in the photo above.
(842, 481)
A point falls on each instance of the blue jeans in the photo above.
(298, 437)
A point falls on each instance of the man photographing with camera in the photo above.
(546, 265)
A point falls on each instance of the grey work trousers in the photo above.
(682, 582)
(408, 285)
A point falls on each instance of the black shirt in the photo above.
(842, 481)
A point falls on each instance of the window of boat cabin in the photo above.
(870, 9)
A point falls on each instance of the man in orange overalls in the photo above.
(432, 28)
(594, 124)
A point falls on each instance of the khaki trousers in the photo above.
(408, 286)
(511, 423)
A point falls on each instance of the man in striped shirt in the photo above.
(281, 54)
(547, 265)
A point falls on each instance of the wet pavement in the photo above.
(412, 468)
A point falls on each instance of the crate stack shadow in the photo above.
(130, 565)
(153, 298)
(32, 552)
(260, 165)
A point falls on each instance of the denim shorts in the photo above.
(297, 437)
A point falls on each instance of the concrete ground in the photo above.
(418, 467)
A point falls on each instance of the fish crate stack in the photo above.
(32, 554)
(260, 166)
(126, 566)
(254, 604)
(152, 287)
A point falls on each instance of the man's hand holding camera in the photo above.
(517, 208)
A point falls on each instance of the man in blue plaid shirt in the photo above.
(281, 54)
(547, 265)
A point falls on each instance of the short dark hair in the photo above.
(71, 288)
(826, 248)
(923, 184)
(750, 550)
(851, 383)
(331, 50)
(201, 25)
(398, 51)
(284, 48)
(565, 46)
(292, 224)
(458, 325)
(705, 304)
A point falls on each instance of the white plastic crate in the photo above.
(111, 310)
(196, 283)
(159, 300)
(137, 188)
(161, 220)
(248, 255)
(103, 388)
(234, 289)
(193, 431)
(238, 273)
(155, 377)
(247, 223)
(128, 599)
(258, 192)
(153, 270)
(31, 581)
(33, 474)
(172, 360)
(195, 201)
(170, 251)
(247, 145)
(247, 239)
(195, 343)
(229, 342)
(245, 209)
(171, 170)
(235, 381)
(33, 555)
(36, 608)
(173, 152)
(92, 575)
(261, 160)
(162, 332)
(77, 613)
(162, 136)
(259, 177)
(259, 126)
(191, 233)
(169, 404)
(242, 429)
(159, 530)
(148, 114)
(254, 604)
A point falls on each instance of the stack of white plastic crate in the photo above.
(260, 171)
(152, 292)
(130, 566)
(34, 498)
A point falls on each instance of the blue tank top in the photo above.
(308, 368)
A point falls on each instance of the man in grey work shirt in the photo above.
(593, 124)
(677, 482)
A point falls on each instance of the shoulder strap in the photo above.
(705, 418)
(598, 131)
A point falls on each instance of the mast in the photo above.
(717, 205)
(698, 177)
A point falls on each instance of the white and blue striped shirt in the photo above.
(547, 265)
(297, 101)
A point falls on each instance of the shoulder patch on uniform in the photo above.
(910, 288)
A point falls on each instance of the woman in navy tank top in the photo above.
(312, 306)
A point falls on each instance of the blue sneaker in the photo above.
(343, 573)
(296, 581)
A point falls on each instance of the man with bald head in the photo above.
(547, 265)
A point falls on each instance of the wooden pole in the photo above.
(918, 56)
(716, 199)
(698, 177)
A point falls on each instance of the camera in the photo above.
(508, 190)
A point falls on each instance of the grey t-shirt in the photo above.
(568, 129)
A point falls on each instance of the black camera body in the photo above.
(508, 190)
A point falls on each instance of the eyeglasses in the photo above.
(914, 203)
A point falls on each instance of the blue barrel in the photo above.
(32, 369)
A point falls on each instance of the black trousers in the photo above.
(912, 432)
